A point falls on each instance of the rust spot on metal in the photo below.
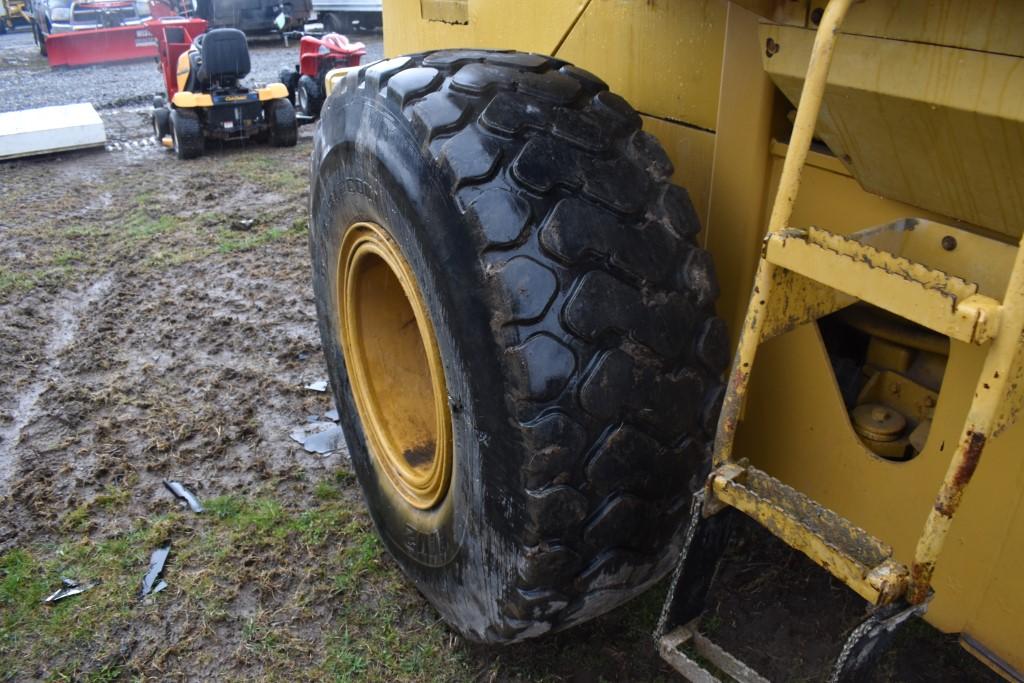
(947, 503)
(920, 580)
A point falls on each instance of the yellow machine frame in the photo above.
(922, 108)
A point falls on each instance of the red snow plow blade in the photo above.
(93, 46)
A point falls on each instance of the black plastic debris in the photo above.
(156, 569)
(242, 224)
(319, 385)
(179, 491)
(319, 437)
(68, 587)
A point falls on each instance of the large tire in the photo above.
(308, 97)
(574, 319)
(284, 127)
(187, 133)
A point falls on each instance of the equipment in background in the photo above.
(79, 32)
(318, 56)
(349, 16)
(12, 15)
(202, 73)
(254, 16)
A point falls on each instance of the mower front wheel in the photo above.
(308, 97)
(290, 79)
(187, 133)
(284, 128)
(161, 123)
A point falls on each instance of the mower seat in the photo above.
(223, 58)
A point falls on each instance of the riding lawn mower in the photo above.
(318, 56)
(202, 73)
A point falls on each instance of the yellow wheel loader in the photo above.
(596, 277)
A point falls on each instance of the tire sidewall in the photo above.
(410, 201)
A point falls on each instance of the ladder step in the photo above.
(861, 561)
(941, 302)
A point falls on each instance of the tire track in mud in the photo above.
(70, 310)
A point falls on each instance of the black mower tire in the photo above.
(574, 313)
(161, 123)
(308, 96)
(284, 126)
(187, 133)
(290, 79)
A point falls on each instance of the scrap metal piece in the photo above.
(68, 587)
(179, 491)
(156, 569)
(319, 437)
(319, 385)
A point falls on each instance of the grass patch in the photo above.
(266, 170)
(230, 241)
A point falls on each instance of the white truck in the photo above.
(349, 16)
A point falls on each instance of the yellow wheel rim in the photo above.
(394, 366)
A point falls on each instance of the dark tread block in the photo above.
(551, 510)
(554, 444)
(477, 79)
(535, 605)
(713, 345)
(470, 155)
(522, 60)
(377, 75)
(437, 113)
(616, 182)
(591, 83)
(576, 229)
(506, 113)
(652, 156)
(449, 59)
(619, 387)
(616, 111)
(601, 303)
(500, 215)
(540, 368)
(628, 460)
(618, 524)
(676, 206)
(613, 569)
(698, 276)
(527, 288)
(411, 83)
(548, 564)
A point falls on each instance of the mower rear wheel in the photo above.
(519, 328)
(187, 132)
(284, 127)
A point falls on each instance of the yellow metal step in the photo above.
(852, 555)
(939, 301)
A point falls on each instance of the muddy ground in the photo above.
(157, 322)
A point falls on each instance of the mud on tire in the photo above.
(187, 133)
(574, 312)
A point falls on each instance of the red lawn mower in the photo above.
(317, 56)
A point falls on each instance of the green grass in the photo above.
(231, 241)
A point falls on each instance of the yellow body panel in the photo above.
(695, 69)
(274, 91)
(186, 100)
